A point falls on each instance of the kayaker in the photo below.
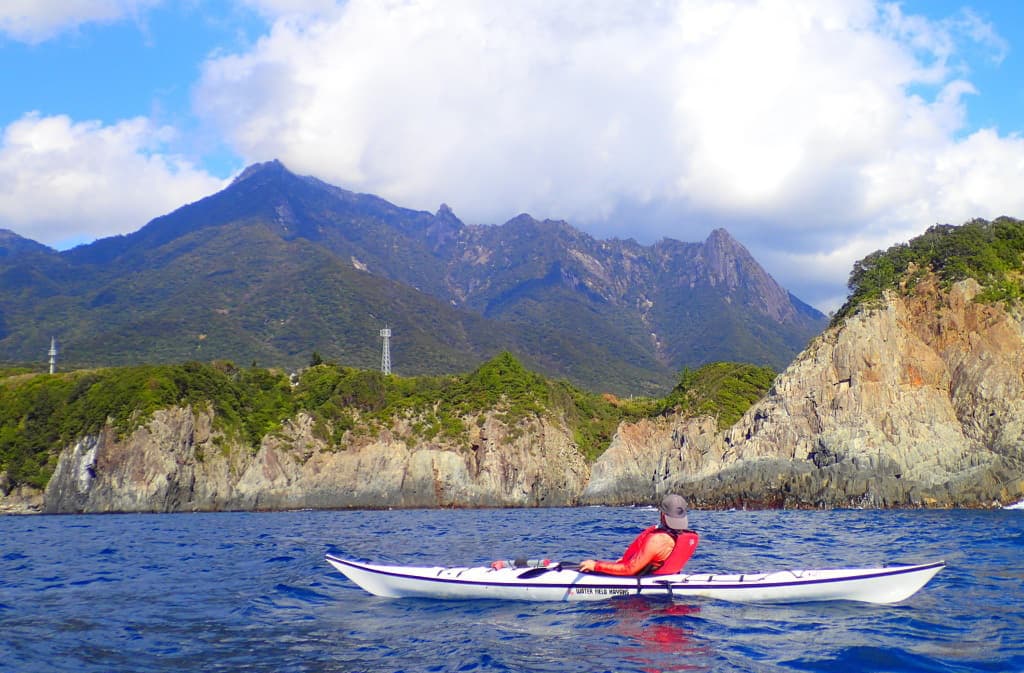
(660, 550)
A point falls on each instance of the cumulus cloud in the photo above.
(815, 131)
(35, 21)
(59, 178)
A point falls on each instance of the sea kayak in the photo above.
(889, 584)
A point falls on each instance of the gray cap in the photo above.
(674, 508)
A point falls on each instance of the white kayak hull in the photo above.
(872, 585)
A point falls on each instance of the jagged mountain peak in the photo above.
(445, 216)
(721, 244)
(726, 257)
(608, 313)
(721, 236)
(272, 166)
(524, 223)
(729, 265)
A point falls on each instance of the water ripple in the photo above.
(250, 591)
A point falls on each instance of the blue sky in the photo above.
(815, 132)
(143, 64)
(995, 70)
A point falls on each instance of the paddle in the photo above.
(534, 572)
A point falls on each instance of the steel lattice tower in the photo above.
(53, 354)
(385, 355)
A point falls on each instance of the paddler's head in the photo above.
(673, 512)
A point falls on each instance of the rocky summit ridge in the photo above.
(277, 266)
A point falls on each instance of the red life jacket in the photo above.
(686, 544)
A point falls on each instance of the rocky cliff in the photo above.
(917, 403)
(177, 462)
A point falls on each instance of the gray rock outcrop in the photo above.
(178, 463)
(918, 403)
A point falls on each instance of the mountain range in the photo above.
(277, 267)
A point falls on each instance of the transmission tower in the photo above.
(385, 355)
(53, 354)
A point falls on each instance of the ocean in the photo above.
(252, 592)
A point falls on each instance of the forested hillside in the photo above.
(277, 266)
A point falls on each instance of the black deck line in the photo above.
(872, 574)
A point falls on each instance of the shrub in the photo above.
(990, 252)
(724, 390)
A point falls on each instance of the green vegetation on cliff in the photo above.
(990, 252)
(724, 390)
(41, 414)
(345, 399)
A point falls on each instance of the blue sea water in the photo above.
(251, 592)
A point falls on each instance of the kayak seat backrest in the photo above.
(686, 544)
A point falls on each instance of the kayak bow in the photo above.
(889, 584)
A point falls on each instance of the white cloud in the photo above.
(35, 21)
(60, 179)
(806, 128)
(815, 131)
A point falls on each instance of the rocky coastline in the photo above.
(916, 403)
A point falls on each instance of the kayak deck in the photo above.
(873, 585)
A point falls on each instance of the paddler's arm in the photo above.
(658, 548)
